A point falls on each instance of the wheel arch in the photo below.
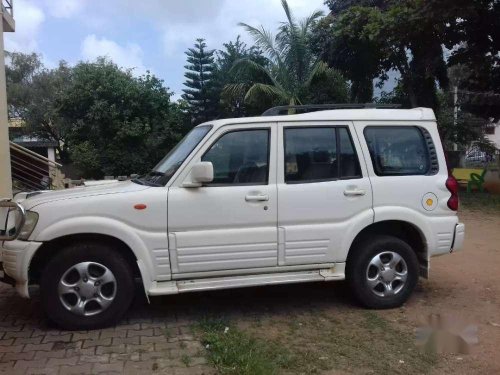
(401, 229)
(51, 248)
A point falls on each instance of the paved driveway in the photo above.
(151, 339)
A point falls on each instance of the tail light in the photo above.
(452, 186)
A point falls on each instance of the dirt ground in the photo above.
(320, 323)
(467, 285)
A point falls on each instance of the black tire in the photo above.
(357, 271)
(65, 260)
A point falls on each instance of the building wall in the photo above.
(495, 138)
(5, 174)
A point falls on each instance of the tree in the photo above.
(200, 93)
(473, 36)
(119, 124)
(406, 39)
(465, 130)
(234, 105)
(19, 72)
(33, 92)
(461, 128)
(342, 43)
(338, 6)
(292, 69)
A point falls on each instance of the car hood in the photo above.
(30, 200)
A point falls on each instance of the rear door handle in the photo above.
(354, 192)
(257, 198)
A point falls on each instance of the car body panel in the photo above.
(215, 227)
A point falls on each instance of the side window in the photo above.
(315, 154)
(349, 162)
(310, 155)
(240, 158)
(397, 151)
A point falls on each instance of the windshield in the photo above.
(166, 168)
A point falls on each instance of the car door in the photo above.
(230, 223)
(324, 193)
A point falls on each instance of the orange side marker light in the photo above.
(140, 206)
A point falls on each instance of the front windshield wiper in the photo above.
(156, 173)
(141, 181)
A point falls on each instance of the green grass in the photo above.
(232, 351)
(186, 360)
(354, 341)
(480, 201)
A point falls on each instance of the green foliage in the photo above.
(483, 202)
(292, 66)
(33, 92)
(234, 105)
(119, 124)
(370, 38)
(232, 351)
(19, 73)
(201, 93)
(365, 39)
(473, 36)
(314, 343)
(338, 6)
(465, 130)
(103, 118)
(343, 44)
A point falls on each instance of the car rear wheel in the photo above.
(86, 286)
(382, 272)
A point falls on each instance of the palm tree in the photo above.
(292, 67)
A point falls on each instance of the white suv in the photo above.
(359, 194)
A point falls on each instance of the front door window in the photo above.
(240, 158)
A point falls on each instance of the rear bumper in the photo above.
(459, 237)
(15, 257)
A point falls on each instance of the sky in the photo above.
(142, 34)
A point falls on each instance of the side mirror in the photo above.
(201, 173)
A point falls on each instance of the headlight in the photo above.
(29, 225)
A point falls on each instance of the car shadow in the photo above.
(254, 302)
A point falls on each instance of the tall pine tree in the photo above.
(201, 93)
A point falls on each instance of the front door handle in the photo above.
(354, 192)
(257, 198)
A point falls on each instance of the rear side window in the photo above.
(398, 151)
(316, 154)
(349, 163)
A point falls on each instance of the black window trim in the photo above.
(337, 145)
(428, 172)
(268, 129)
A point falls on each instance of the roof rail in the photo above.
(276, 111)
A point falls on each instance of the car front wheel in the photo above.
(86, 286)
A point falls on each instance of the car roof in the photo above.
(371, 114)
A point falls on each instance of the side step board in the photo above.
(242, 281)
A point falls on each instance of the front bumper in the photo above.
(15, 257)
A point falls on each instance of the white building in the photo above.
(493, 134)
